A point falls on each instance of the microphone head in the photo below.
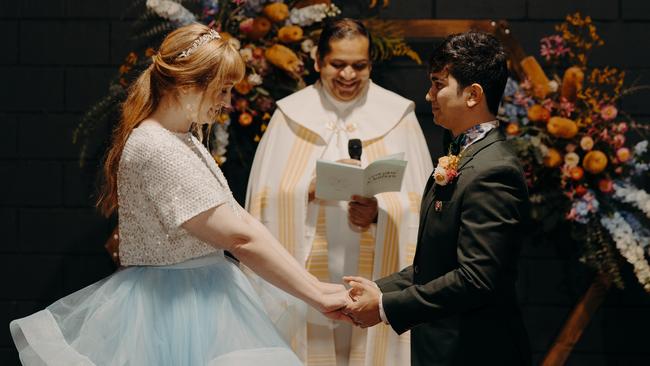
(354, 149)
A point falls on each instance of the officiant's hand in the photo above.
(362, 211)
(364, 310)
(311, 191)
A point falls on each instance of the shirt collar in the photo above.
(477, 132)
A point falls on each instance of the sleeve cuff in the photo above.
(382, 314)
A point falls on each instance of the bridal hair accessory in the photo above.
(212, 34)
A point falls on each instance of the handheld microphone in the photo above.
(354, 149)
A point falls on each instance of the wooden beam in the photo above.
(440, 28)
(577, 322)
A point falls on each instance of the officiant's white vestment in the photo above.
(310, 125)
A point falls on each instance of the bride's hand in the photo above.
(334, 301)
(330, 288)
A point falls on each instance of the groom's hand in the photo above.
(364, 311)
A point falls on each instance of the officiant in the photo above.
(365, 236)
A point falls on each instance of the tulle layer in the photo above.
(200, 312)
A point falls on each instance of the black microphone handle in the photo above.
(355, 149)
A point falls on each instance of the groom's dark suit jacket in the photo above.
(458, 298)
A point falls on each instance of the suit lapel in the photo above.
(430, 189)
(492, 136)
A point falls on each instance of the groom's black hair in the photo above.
(343, 28)
(474, 57)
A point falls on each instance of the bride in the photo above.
(179, 301)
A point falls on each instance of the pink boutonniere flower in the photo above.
(446, 170)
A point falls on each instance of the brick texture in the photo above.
(488, 9)
(59, 56)
(558, 9)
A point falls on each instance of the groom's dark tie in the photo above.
(454, 146)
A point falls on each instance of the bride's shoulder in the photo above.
(146, 141)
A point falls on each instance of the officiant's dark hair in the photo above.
(344, 28)
(474, 57)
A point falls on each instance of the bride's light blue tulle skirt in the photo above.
(200, 312)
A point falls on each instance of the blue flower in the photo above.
(510, 110)
(511, 88)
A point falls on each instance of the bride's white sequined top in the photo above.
(165, 179)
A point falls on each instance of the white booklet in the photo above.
(338, 181)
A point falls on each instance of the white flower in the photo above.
(641, 147)
(571, 159)
(246, 54)
(234, 42)
(221, 141)
(535, 141)
(255, 79)
(543, 149)
(440, 176)
(634, 196)
(171, 10)
(307, 45)
(313, 54)
(627, 243)
(586, 143)
(312, 14)
(553, 86)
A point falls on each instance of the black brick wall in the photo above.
(58, 56)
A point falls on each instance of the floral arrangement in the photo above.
(277, 40)
(583, 157)
(447, 169)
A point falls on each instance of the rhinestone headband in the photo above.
(212, 34)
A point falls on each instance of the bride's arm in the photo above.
(249, 241)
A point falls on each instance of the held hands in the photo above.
(335, 297)
(364, 310)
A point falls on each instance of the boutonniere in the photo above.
(446, 170)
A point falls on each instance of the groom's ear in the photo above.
(474, 95)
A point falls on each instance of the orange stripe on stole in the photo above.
(320, 338)
(299, 158)
(390, 254)
(259, 202)
(415, 199)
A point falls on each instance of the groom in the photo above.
(458, 298)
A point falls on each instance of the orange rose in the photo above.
(537, 113)
(552, 158)
(623, 154)
(562, 127)
(284, 58)
(261, 26)
(606, 185)
(594, 162)
(290, 33)
(243, 87)
(576, 173)
(513, 129)
(277, 12)
(572, 83)
(245, 119)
